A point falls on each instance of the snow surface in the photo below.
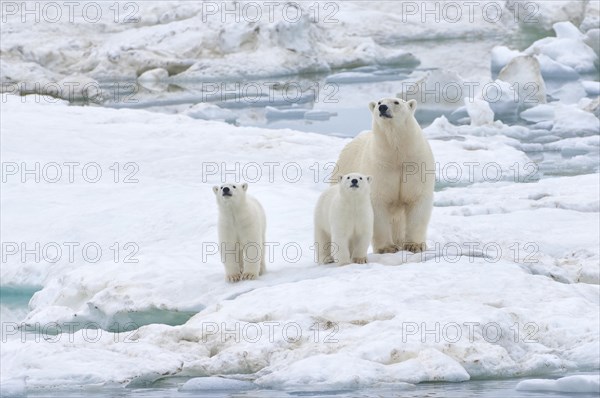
(508, 288)
(360, 325)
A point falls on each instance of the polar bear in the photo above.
(344, 221)
(242, 226)
(398, 156)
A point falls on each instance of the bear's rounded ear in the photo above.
(412, 105)
(216, 189)
(372, 105)
(369, 179)
(340, 178)
(245, 186)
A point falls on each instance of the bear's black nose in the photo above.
(383, 108)
(226, 189)
(354, 181)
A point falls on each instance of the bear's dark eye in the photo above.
(361, 178)
(347, 178)
(379, 103)
(396, 102)
(234, 187)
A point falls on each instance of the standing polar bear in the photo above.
(242, 226)
(344, 221)
(398, 156)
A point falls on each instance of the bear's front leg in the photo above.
(252, 259)
(340, 247)
(231, 259)
(232, 268)
(360, 247)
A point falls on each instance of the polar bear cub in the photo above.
(242, 226)
(344, 221)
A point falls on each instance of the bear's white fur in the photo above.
(398, 156)
(242, 226)
(344, 221)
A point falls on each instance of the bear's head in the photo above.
(230, 194)
(392, 112)
(355, 183)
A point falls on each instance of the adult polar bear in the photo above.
(398, 156)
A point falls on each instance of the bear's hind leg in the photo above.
(263, 267)
(382, 233)
(323, 247)
(399, 228)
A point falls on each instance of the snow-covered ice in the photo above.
(524, 290)
(206, 111)
(524, 72)
(561, 57)
(573, 384)
(192, 41)
(216, 384)
(420, 88)
(126, 221)
(479, 111)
